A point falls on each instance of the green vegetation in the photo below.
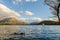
(48, 22)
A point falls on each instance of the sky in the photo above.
(30, 9)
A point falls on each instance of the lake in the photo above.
(29, 32)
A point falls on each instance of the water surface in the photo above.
(29, 32)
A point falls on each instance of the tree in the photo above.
(55, 6)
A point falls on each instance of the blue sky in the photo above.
(37, 8)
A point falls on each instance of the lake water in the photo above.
(29, 32)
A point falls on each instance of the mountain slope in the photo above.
(12, 21)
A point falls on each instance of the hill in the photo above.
(12, 21)
(49, 22)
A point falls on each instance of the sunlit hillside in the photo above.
(12, 21)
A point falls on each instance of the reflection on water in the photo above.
(25, 32)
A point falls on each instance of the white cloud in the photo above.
(28, 0)
(6, 12)
(37, 19)
(22, 19)
(18, 1)
(53, 19)
(28, 13)
(34, 0)
(31, 0)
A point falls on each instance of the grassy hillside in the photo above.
(49, 22)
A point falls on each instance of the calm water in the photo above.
(29, 32)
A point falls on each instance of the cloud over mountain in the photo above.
(37, 19)
(52, 19)
(7, 12)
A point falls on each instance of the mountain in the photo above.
(12, 21)
(34, 23)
